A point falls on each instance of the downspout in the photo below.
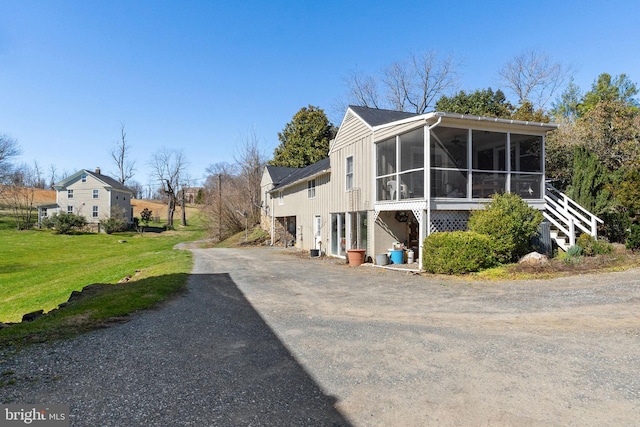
(273, 220)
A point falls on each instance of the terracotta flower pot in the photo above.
(355, 256)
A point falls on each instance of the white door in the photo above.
(317, 228)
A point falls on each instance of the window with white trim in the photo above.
(280, 198)
(94, 213)
(349, 174)
(311, 189)
(69, 194)
(95, 194)
(84, 177)
(69, 209)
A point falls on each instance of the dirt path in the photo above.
(266, 337)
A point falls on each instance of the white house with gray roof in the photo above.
(397, 177)
(92, 195)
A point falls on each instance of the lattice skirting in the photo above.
(449, 220)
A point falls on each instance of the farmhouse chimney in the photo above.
(98, 171)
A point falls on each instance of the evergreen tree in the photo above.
(305, 140)
(590, 184)
(483, 102)
(606, 88)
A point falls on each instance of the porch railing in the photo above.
(568, 217)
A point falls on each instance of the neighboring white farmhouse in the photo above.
(92, 195)
(397, 177)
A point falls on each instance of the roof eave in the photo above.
(421, 117)
(470, 117)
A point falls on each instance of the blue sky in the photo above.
(199, 76)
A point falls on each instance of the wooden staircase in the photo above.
(568, 219)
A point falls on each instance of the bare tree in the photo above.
(119, 153)
(53, 174)
(19, 195)
(534, 77)
(8, 150)
(168, 168)
(220, 197)
(232, 191)
(363, 90)
(250, 161)
(137, 188)
(38, 180)
(413, 84)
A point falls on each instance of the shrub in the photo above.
(145, 216)
(633, 237)
(66, 222)
(457, 252)
(573, 255)
(116, 222)
(510, 222)
(591, 246)
(113, 224)
(574, 251)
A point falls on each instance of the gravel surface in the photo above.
(265, 337)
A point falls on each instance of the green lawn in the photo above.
(40, 269)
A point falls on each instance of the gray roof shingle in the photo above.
(299, 174)
(376, 116)
(113, 183)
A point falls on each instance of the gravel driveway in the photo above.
(265, 337)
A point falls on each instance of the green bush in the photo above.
(113, 224)
(116, 222)
(633, 238)
(574, 251)
(457, 252)
(145, 216)
(573, 255)
(510, 222)
(65, 222)
(591, 246)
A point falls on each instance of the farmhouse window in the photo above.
(311, 189)
(349, 175)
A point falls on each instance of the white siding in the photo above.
(297, 203)
(83, 200)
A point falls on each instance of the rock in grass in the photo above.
(534, 258)
(30, 317)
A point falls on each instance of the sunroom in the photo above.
(468, 159)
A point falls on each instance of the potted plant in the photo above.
(356, 256)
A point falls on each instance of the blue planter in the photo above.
(397, 257)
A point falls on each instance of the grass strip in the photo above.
(40, 270)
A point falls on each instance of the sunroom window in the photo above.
(478, 163)
(400, 167)
(449, 172)
(526, 166)
(489, 157)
